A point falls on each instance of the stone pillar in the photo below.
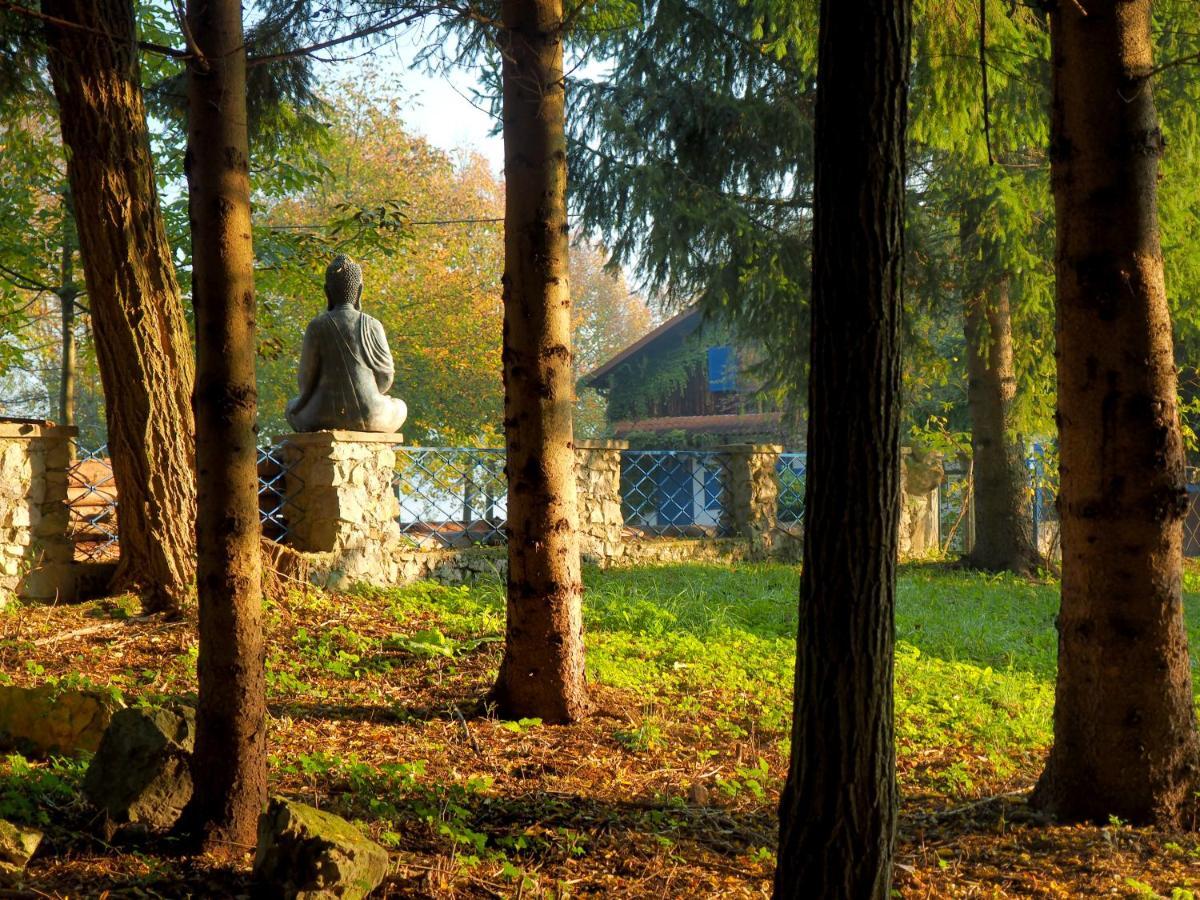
(36, 549)
(752, 492)
(919, 533)
(340, 499)
(598, 489)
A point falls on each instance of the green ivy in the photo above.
(639, 383)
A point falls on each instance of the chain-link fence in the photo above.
(92, 506)
(789, 507)
(1191, 522)
(277, 484)
(457, 496)
(447, 497)
(451, 496)
(956, 518)
(675, 493)
(956, 506)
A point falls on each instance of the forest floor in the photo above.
(668, 790)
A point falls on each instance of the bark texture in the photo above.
(229, 765)
(141, 338)
(542, 673)
(1124, 728)
(838, 808)
(1003, 502)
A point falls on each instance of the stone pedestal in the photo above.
(751, 492)
(919, 533)
(36, 550)
(598, 489)
(339, 490)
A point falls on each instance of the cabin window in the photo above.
(722, 370)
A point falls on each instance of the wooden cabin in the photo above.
(690, 377)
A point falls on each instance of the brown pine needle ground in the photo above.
(669, 790)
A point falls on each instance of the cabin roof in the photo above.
(679, 325)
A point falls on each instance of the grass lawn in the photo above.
(669, 789)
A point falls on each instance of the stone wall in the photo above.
(403, 564)
(598, 489)
(35, 547)
(341, 500)
(921, 477)
(342, 513)
(752, 494)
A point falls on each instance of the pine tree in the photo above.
(137, 315)
(1001, 497)
(229, 765)
(838, 807)
(693, 160)
(542, 673)
(1125, 739)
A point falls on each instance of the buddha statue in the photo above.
(345, 364)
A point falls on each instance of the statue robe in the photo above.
(345, 370)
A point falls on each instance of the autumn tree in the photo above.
(606, 317)
(1125, 741)
(229, 765)
(606, 314)
(838, 807)
(40, 293)
(426, 228)
(137, 316)
(542, 672)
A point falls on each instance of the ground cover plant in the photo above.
(669, 788)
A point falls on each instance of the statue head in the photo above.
(343, 283)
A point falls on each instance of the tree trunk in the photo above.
(1003, 504)
(838, 808)
(542, 673)
(1125, 739)
(141, 337)
(229, 765)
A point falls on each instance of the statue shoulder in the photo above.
(375, 326)
(317, 322)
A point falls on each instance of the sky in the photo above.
(438, 106)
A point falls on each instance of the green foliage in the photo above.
(639, 387)
(431, 642)
(975, 659)
(691, 157)
(980, 212)
(30, 790)
(646, 736)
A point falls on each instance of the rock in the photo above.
(17, 845)
(309, 854)
(50, 721)
(140, 772)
